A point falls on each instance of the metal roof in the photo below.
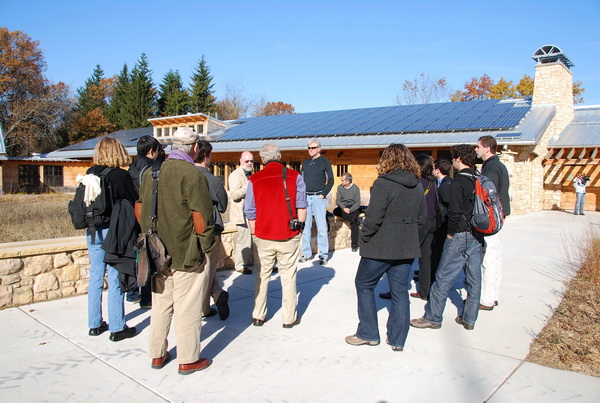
(367, 128)
(2, 145)
(583, 131)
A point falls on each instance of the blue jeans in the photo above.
(579, 202)
(116, 311)
(317, 207)
(462, 252)
(368, 275)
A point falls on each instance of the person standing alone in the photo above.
(318, 176)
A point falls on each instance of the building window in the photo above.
(256, 167)
(295, 165)
(166, 131)
(200, 129)
(29, 175)
(53, 176)
(158, 131)
(220, 169)
(341, 169)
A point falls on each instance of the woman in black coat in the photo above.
(389, 243)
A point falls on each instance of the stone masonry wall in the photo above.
(51, 269)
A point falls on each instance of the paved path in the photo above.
(47, 355)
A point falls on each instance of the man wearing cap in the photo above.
(185, 226)
(318, 176)
(238, 183)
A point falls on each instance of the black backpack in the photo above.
(97, 214)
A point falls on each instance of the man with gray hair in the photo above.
(318, 176)
(276, 210)
(347, 199)
(185, 226)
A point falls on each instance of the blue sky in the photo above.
(316, 55)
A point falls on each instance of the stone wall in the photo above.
(51, 269)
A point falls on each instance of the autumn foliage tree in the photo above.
(31, 108)
(273, 109)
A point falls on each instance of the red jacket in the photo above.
(272, 214)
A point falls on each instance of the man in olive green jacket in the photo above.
(185, 226)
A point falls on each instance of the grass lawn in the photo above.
(27, 217)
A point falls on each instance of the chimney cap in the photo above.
(551, 54)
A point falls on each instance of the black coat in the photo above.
(495, 170)
(396, 210)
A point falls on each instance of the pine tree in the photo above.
(202, 99)
(118, 111)
(142, 95)
(94, 93)
(173, 98)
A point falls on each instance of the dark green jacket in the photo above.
(181, 190)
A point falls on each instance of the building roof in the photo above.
(427, 125)
(583, 131)
(2, 145)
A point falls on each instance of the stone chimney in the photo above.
(554, 86)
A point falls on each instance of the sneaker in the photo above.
(423, 323)
(303, 259)
(466, 325)
(355, 341)
(136, 300)
(323, 261)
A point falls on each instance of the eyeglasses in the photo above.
(312, 148)
(245, 162)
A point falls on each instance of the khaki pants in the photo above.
(181, 292)
(213, 287)
(286, 253)
(243, 247)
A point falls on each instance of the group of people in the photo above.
(415, 212)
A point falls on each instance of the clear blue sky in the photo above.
(316, 55)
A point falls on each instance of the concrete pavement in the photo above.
(47, 355)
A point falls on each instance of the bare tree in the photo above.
(235, 103)
(423, 89)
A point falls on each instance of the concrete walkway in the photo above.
(47, 355)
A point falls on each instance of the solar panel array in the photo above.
(439, 117)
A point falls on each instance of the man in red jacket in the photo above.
(276, 210)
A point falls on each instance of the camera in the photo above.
(296, 225)
(586, 178)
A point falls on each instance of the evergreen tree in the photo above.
(118, 111)
(142, 95)
(173, 98)
(202, 99)
(94, 93)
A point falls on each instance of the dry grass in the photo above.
(571, 338)
(31, 217)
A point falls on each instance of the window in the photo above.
(158, 132)
(220, 169)
(295, 165)
(341, 169)
(256, 167)
(29, 175)
(166, 131)
(53, 176)
(200, 129)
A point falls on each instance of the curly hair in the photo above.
(109, 152)
(466, 153)
(398, 156)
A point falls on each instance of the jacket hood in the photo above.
(402, 177)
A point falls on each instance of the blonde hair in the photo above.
(109, 152)
(397, 156)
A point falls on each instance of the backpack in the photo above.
(98, 212)
(488, 216)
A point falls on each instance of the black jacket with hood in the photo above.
(396, 210)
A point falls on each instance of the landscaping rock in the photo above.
(70, 273)
(15, 278)
(22, 296)
(5, 295)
